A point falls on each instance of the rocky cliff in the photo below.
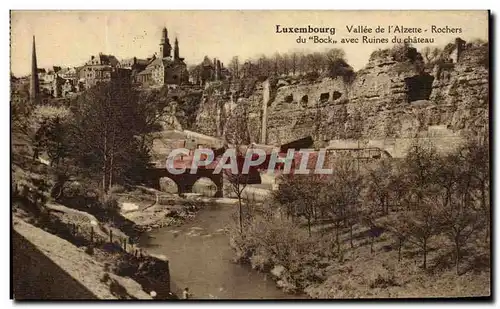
(388, 99)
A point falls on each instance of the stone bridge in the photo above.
(186, 180)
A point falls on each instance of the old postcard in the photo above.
(303, 155)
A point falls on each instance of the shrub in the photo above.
(117, 189)
(268, 242)
(383, 281)
(89, 249)
(109, 203)
(125, 266)
(340, 68)
(311, 76)
(380, 54)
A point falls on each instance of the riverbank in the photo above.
(149, 209)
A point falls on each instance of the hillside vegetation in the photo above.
(419, 227)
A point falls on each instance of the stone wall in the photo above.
(443, 139)
(36, 276)
(47, 267)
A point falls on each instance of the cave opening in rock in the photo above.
(419, 87)
(289, 98)
(336, 95)
(304, 100)
(324, 97)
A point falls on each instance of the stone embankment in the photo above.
(48, 267)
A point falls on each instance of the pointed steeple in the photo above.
(176, 49)
(165, 47)
(164, 36)
(34, 82)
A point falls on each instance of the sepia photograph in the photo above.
(184, 155)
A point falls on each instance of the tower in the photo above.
(165, 47)
(34, 82)
(176, 49)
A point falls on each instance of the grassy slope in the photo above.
(363, 274)
(359, 273)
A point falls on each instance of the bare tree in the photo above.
(460, 221)
(234, 67)
(423, 214)
(475, 154)
(424, 223)
(398, 226)
(236, 136)
(379, 181)
(430, 55)
(462, 177)
(345, 186)
(294, 63)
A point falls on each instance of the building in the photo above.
(209, 71)
(164, 69)
(136, 65)
(158, 70)
(102, 68)
(62, 81)
(45, 80)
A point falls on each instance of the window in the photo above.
(304, 100)
(336, 95)
(419, 87)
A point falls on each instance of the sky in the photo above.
(69, 38)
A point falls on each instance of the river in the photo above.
(201, 258)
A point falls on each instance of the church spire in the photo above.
(176, 49)
(165, 47)
(34, 82)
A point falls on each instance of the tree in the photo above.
(48, 129)
(195, 72)
(398, 226)
(53, 139)
(105, 131)
(424, 223)
(302, 195)
(475, 154)
(460, 221)
(286, 195)
(348, 187)
(236, 135)
(152, 107)
(430, 55)
(234, 67)
(379, 181)
(294, 63)
(423, 215)
(463, 176)
(285, 64)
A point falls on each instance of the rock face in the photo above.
(387, 105)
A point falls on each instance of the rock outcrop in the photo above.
(387, 102)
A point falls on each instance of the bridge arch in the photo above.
(205, 186)
(168, 185)
(183, 182)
